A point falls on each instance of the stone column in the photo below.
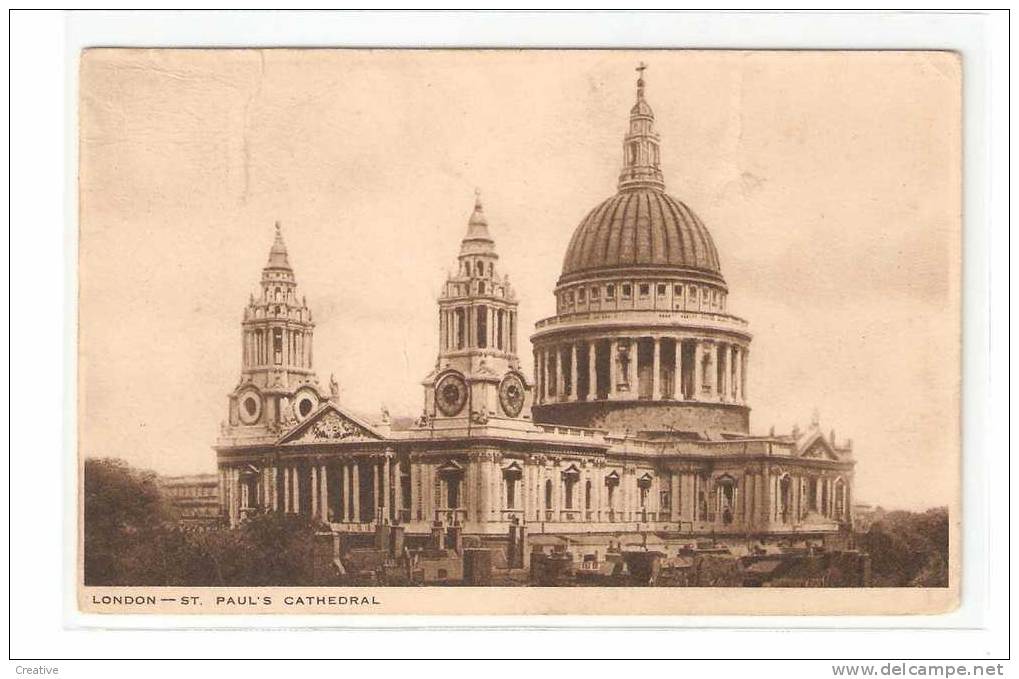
(737, 377)
(537, 376)
(355, 492)
(323, 477)
(287, 490)
(273, 486)
(744, 357)
(313, 487)
(614, 369)
(674, 498)
(397, 491)
(677, 371)
(560, 377)
(698, 370)
(345, 490)
(235, 496)
(484, 501)
(376, 489)
(592, 371)
(548, 377)
(573, 372)
(525, 495)
(557, 492)
(723, 387)
(656, 370)
(387, 506)
(416, 491)
(296, 478)
(712, 368)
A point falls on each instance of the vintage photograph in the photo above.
(370, 325)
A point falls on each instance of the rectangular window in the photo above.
(626, 291)
(581, 295)
(594, 293)
(678, 291)
(610, 291)
(661, 289)
(645, 289)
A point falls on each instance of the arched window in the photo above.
(840, 500)
(548, 494)
(726, 498)
(785, 498)
(570, 478)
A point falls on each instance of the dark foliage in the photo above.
(908, 549)
(131, 538)
(123, 506)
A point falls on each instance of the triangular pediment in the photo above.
(331, 424)
(817, 448)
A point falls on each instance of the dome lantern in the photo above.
(640, 146)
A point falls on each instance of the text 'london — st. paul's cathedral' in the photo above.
(635, 424)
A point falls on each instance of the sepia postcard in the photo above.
(519, 332)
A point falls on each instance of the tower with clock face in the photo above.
(477, 375)
(278, 387)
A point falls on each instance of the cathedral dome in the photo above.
(642, 227)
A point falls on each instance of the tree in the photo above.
(131, 537)
(909, 549)
(122, 505)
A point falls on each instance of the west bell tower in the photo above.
(477, 373)
(278, 386)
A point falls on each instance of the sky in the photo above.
(830, 183)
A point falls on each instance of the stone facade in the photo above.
(639, 401)
(195, 498)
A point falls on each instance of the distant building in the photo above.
(866, 515)
(195, 497)
(636, 421)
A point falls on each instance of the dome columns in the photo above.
(641, 366)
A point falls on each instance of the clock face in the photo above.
(451, 394)
(511, 395)
(249, 407)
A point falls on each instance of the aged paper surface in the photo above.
(519, 332)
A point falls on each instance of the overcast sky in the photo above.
(830, 183)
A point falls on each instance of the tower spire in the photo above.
(640, 145)
(478, 240)
(278, 251)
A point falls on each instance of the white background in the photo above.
(43, 244)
